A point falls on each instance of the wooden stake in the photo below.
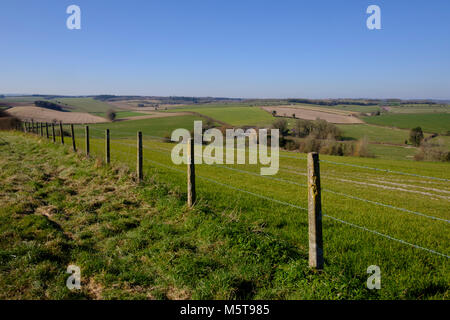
(61, 132)
(74, 146)
(140, 176)
(87, 141)
(108, 154)
(314, 213)
(53, 132)
(46, 129)
(191, 173)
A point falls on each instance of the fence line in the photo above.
(299, 207)
(305, 209)
(323, 189)
(336, 163)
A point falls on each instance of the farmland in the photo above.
(235, 116)
(224, 235)
(429, 122)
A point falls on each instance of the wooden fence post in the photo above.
(191, 173)
(140, 176)
(87, 141)
(108, 154)
(314, 213)
(42, 129)
(72, 131)
(32, 126)
(61, 132)
(46, 130)
(53, 132)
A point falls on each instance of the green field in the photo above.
(160, 127)
(234, 244)
(430, 122)
(127, 114)
(235, 116)
(86, 105)
(374, 133)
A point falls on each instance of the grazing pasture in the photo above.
(429, 122)
(244, 227)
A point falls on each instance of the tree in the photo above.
(111, 115)
(274, 113)
(416, 136)
(281, 125)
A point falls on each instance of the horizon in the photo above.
(251, 50)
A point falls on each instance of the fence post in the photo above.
(191, 173)
(140, 176)
(46, 129)
(108, 154)
(61, 132)
(53, 132)
(32, 126)
(87, 141)
(42, 129)
(74, 146)
(314, 213)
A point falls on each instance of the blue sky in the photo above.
(227, 48)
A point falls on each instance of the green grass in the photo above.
(136, 242)
(160, 127)
(126, 114)
(392, 152)
(374, 133)
(431, 122)
(86, 105)
(235, 116)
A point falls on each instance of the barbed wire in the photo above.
(305, 209)
(323, 189)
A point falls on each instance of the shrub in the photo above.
(416, 136)
(110, 115)
(430, 151)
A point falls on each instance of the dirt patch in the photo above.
(47, 115)
(309, 114)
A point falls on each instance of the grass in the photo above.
(430, 122)
(374, 133)
(392, 152)
(88, 105)
(140, 242)
(127, 114)
(235, 116)
(160, 127)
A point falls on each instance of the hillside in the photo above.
(141, 241)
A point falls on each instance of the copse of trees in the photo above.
(416, 136)
(48, 105)
(319, 129)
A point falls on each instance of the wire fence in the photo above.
(27, 127)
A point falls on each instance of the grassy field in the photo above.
(160, 127)
(374, 133)
(86, 105)
(235, 116)
(142, 242)
(431, 122)
(127, 114)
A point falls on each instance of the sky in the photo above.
(227, 48)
